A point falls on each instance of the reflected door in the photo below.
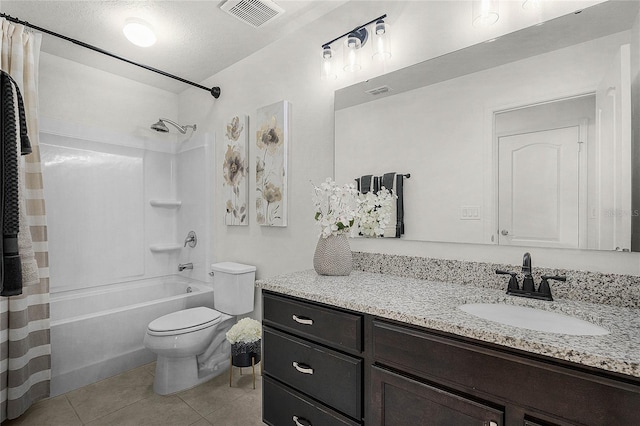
(539, 182)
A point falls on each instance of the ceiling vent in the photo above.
(378, 90)
(253, 12)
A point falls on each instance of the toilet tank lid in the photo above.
(232, 268)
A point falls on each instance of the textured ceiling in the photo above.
(196, 39)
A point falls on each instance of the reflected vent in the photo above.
(378, 90)
(253, 12)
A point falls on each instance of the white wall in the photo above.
(289, 69)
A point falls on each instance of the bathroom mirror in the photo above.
(525, 140)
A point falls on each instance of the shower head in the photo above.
(162, 128)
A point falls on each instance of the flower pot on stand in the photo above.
(333, 256)
(245, 355)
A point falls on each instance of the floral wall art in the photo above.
(235, 170)
(272, 139)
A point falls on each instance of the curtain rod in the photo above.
(215, 91)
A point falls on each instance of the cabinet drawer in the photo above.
(570, 394)
(325, 325)
(329, 376)
(281, 405)
(403, 401)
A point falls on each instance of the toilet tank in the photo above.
(233, 287)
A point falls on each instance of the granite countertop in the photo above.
(434, 305)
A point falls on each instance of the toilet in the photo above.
(191, 344)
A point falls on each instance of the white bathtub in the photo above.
(97, 333)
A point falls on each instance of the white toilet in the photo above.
(191, 344)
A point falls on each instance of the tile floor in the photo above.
(128, 399)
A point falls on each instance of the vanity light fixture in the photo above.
(485, 12)
(139, 32)
(354, 41)
(381, 41)
(328, 64)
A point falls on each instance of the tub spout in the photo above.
(183, 266)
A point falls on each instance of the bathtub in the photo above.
(97, 333)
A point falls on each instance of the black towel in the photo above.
(10, 267)
(364, 183)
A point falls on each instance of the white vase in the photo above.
(333, 256)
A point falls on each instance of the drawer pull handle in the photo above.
(302, 368)
(297, 420)
(493, 424)
(302, 320)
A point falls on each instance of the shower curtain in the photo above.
(25, 350)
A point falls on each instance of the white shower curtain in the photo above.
(25, 350)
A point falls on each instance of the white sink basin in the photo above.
(533, 319)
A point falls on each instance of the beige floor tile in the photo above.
(216, 393)
(50, 412)
(202, 422)
(151, 368)
(104, 397)
(156, 410)
(245, 410)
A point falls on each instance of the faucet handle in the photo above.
(544, 287)
(513, 281)
(554, 277)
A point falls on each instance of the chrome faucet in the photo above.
(191, 239)
(183, 266)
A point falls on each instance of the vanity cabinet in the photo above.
(313, 364)
(329, 366)
(478, 384)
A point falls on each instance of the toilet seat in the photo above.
(184, 321)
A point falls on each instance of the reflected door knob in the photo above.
(504, 232)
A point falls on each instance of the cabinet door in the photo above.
(399, 401)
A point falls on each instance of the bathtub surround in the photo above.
(581, 286)
(24, 320)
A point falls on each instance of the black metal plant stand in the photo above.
(245, 355)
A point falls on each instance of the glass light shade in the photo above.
(381, 42)
(139, 33)
(351, 52)
(485, 12)
(328, 67)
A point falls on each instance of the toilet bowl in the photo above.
(191, 343)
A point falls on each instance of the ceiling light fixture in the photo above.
(485, 13)
(139, 32)
(354, 41)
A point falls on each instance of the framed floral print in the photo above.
(272, 141)
(235, 170)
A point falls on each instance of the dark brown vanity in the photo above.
(328, 365)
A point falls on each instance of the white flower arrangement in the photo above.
(339, 209)
(375, 212)
(336, 207)
(246, 330)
